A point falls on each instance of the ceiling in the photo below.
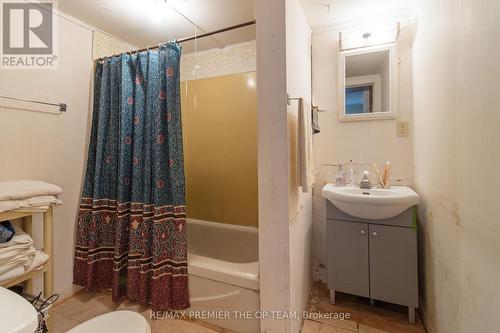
(150, 22)
(325, 12)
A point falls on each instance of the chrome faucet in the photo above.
(365, 182)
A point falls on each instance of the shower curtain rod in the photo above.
(187, 39)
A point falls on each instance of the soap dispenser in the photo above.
(350, 176)
(340, 176)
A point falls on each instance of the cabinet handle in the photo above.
(375, 233)
(362, 232)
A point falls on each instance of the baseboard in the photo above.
(429, 328)
(320, 274)
(76, 290)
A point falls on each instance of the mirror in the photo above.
(367, 84)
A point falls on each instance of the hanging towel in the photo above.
(315, 120)
(306, 166)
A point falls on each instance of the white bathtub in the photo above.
(224, 272)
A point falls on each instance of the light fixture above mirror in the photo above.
(381, 33)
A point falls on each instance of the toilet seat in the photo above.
(122, 321)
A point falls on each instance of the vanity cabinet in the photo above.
(348, 259)
(376, 259)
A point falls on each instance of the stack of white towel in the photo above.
(18, 256)
(16, 194)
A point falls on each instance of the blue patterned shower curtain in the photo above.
(131, 228)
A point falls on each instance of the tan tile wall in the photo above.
(233, 59)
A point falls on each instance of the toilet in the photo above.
(17, 315)
(122, 321)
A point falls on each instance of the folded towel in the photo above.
(7, 231)
(11, 260)
(39, 201)
(17, 252)
(22, 189)
(39, 259)
(20, 240)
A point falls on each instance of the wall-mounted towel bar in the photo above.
(290, 99)
(317, 109)
(62, 106)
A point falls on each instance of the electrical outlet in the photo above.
(403, 128)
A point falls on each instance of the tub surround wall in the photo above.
(219, 93)
(457, 158)
(219, 120)
(232, 59)
(362, 141)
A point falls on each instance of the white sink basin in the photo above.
(17, 315)
(373, 204)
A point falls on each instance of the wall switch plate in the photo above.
(403, 128)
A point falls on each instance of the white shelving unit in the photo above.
(26, 215)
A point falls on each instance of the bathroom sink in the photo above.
(375, 203)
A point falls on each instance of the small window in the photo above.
(359, 99)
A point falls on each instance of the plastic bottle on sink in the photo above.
(385, 176)
(340, 176)
(350, 176)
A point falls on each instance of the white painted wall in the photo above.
(283, 64)
(274, 251)
(348, 10)
(363, 141)
(457, 159)
(53, 147)
(298, 79)
(105, 45)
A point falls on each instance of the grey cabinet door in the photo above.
(348, 257)
(393, 264)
